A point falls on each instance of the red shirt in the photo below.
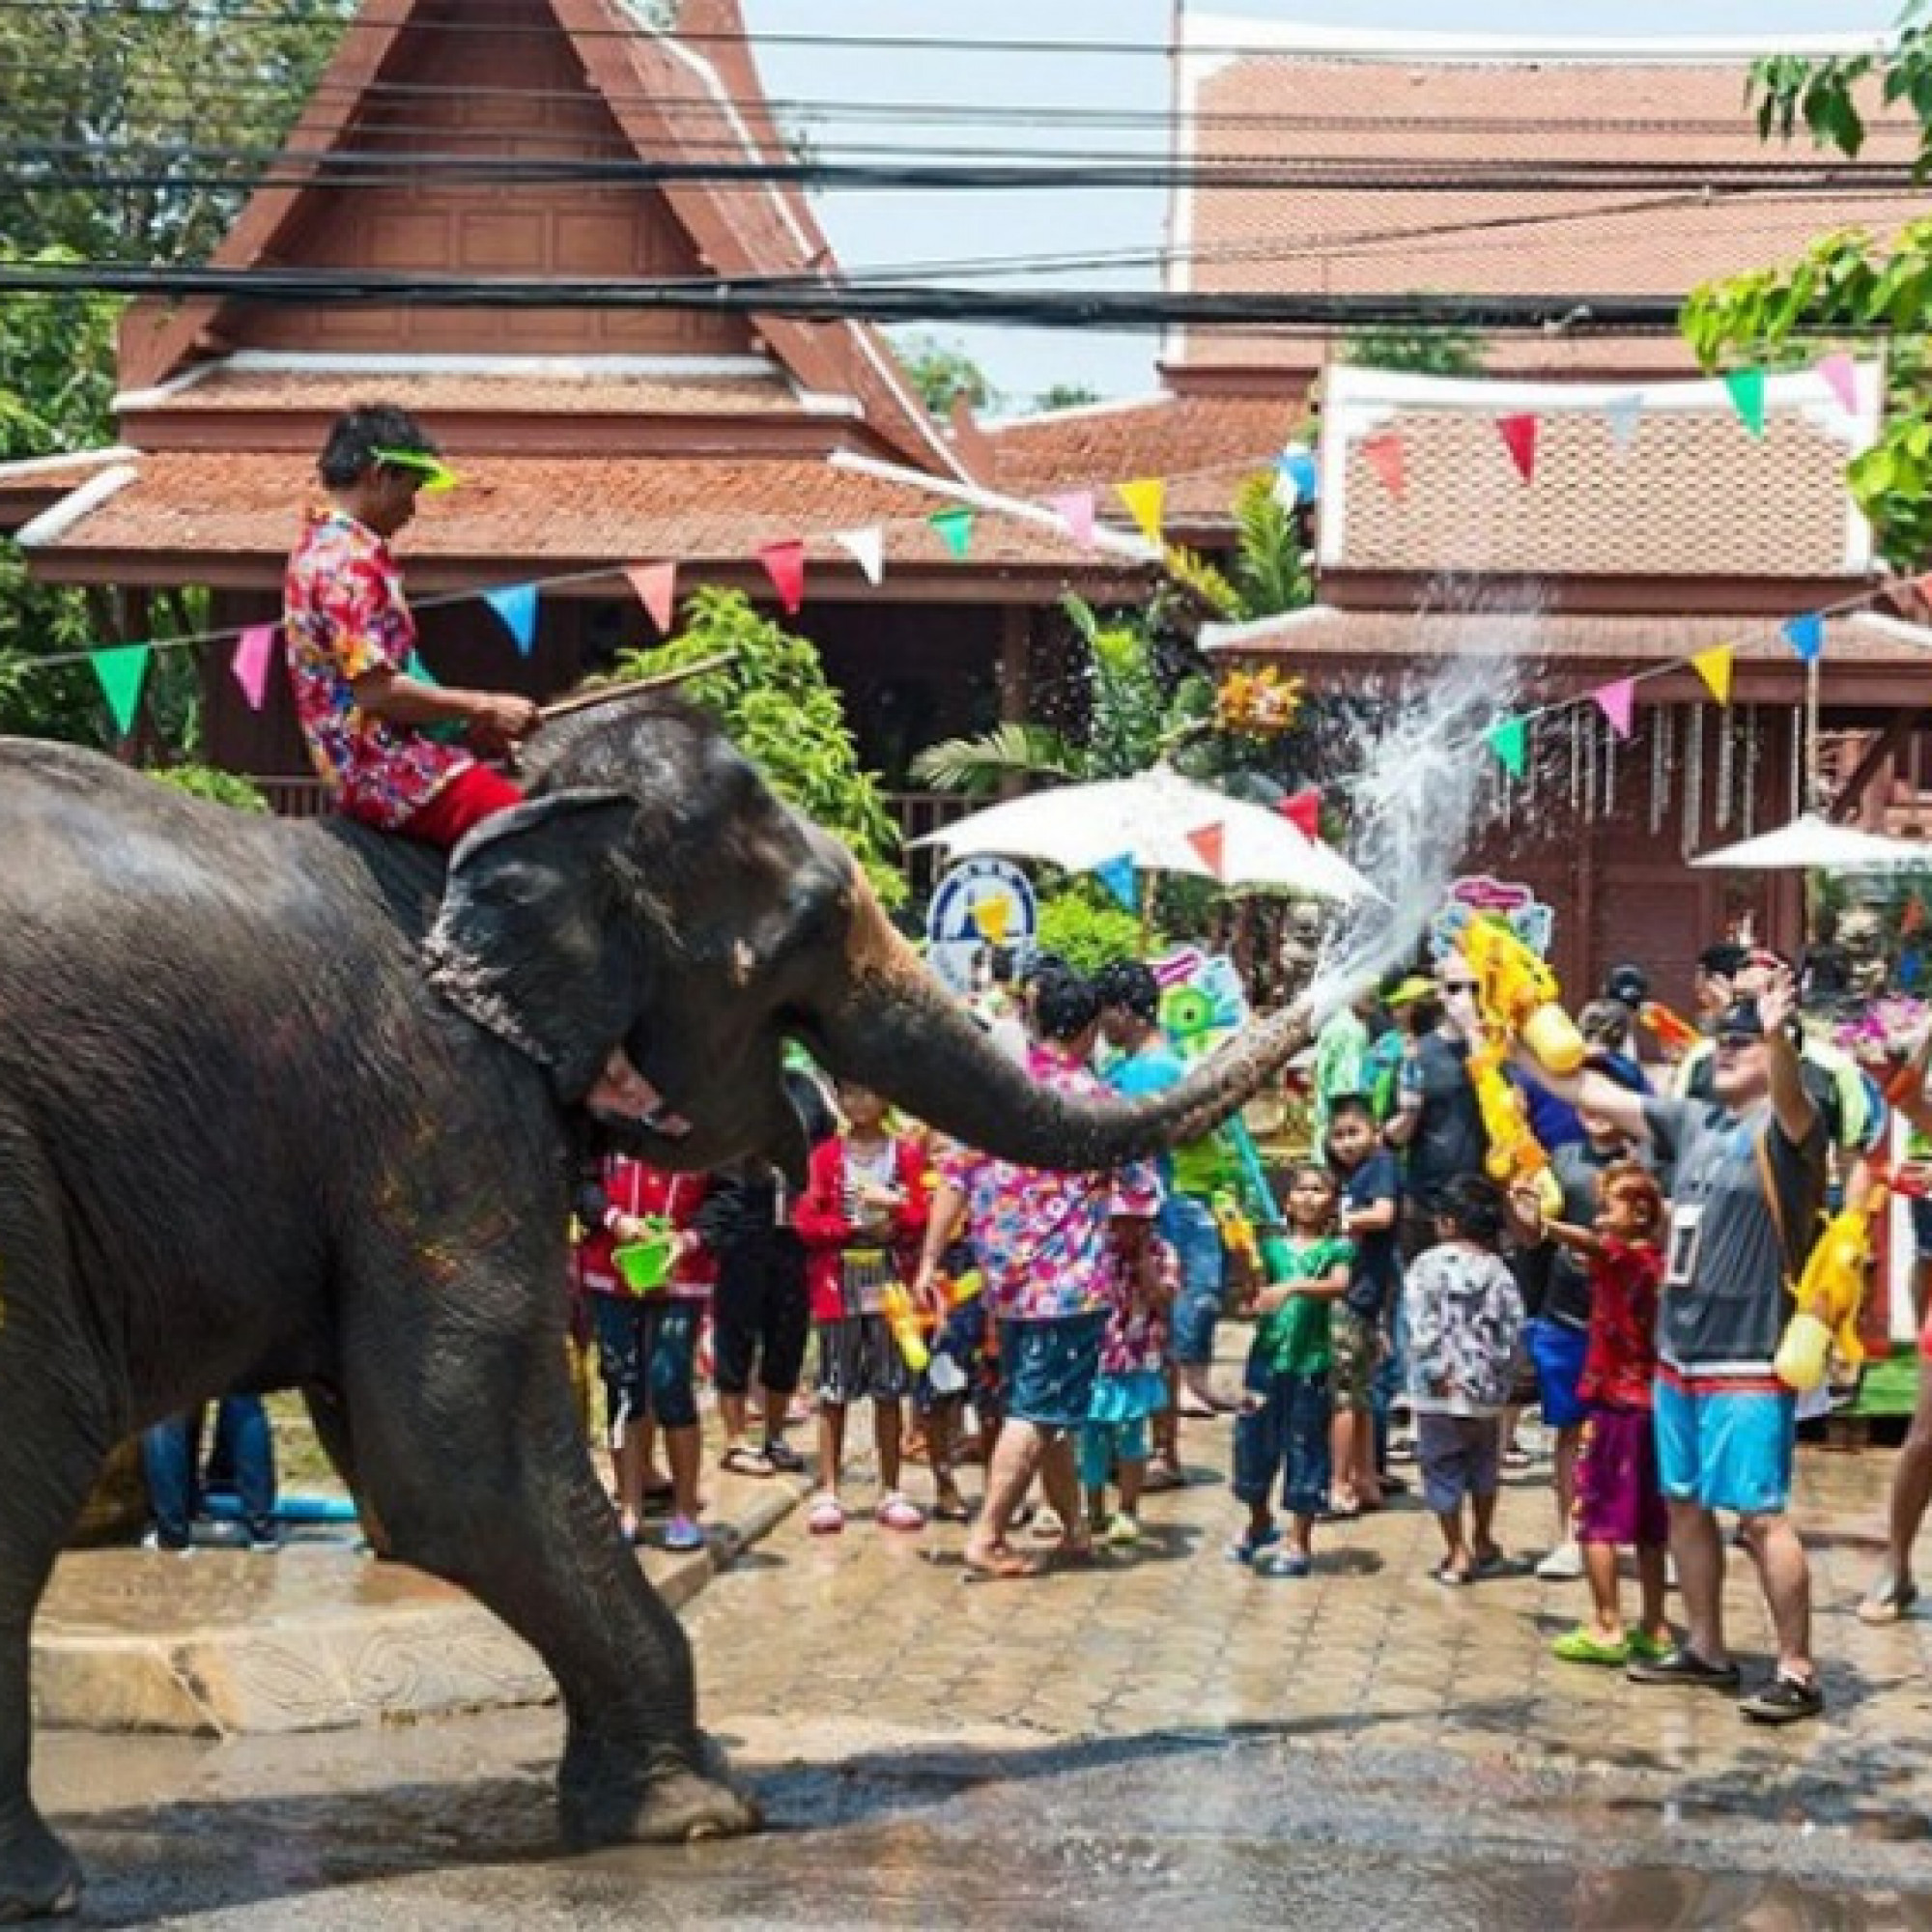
(828, 1230)
(632, 1188)
(1620, 1363)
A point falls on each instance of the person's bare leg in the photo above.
(1563, 1470)
(1060, 1478)
(942, 1440)
(830, 1445)
(1130, 1474)
(683, 1450)
(1911, 1495)
(1345, 1490)
(1016, 1456)
(1786, 1575)
(732, 1416)
(627, 1468)
(1455, 1548)
(775, 1410)
(1483, 1545)
(1600, 1568)
(1699, 1550)
(888, 1437)
(646, 1429)
(1653, 1576)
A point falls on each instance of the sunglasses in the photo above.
(1460, 986)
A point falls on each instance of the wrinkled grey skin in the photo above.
(248, 1141)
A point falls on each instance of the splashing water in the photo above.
(1424, 774)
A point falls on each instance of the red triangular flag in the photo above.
(1519, 434)
(656, 586)
(1616, 703)
(1383, 454)
(784, 564)
(1210, 842)
(1303, 811)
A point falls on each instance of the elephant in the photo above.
(294, 1104)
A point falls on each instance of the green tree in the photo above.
(1847, 285)
(943, 372)
(1066, 396)
(1422, 351)
(786, 715)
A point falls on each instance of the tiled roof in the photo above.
(1693, 495)
(562, 512)
(246, 388)
(1425, 114)
(1203, 446)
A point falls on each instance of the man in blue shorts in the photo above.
(1749, 1179)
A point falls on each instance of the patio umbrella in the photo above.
(1148, 820)
(1813, 844)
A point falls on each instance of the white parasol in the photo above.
(1813, 844)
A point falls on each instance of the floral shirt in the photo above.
(1464, 1320)
(1042, 1235)
(343, 616)
(1620, 1364)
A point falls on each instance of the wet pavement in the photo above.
(1163, 1733)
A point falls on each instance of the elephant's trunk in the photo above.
(902, 1034)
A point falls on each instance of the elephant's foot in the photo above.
(674, 1805)
(38, 1877)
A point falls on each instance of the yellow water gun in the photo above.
(895, 1304)
(1827, 1298)
(1519, 996)
(1517, 1158)
(1237, 1232)
(968, 1285)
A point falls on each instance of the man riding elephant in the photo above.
(281, 1106)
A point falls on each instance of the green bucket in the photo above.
(645, 1265)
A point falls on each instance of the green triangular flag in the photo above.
(1509, 740)
(1747, 387)
(956, 527)
(123, 670)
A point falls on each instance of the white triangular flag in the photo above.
(1625, 413)
(867, 548)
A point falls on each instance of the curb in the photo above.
(375, 1644)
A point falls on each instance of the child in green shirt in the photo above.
(1282, 1430)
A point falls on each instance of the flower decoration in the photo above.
(1258, 703)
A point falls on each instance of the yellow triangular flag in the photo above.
(1714, 667)
(1146, 499)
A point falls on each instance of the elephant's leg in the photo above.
(468, 1445)
(328, 1412)
(53, 1441)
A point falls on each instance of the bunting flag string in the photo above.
(250, 663)
(1146, 499)
(784, 565)
(1211, 842)
(1120, 877)
(867, 548)
(122, 670)
(1617, 702)
(517, 604)
(1519, 434)
(656, 586)
(954, 527)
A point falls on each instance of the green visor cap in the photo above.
(437, 477)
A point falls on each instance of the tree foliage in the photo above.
(1088, 930)
(943, 374)
(784, 713)
(1849, 285)
(1446, 351)
(1066, 396)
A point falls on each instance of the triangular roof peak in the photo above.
(642, 91)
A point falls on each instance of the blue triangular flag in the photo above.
(517, 604)
(1806, 636)
(1118, 877)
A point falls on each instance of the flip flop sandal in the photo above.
(1163, 1476)
(784, 1457)
(741, 1460)
(1453, 1579)
(1784, 1700)
(1887, 1602)
(950, 1511)
(1011, 1567)
(1284, 1563)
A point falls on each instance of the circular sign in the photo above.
(979, 902)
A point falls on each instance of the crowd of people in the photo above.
(1409, 1309)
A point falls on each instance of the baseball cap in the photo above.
(1741, 1021)
(1417, 986)
(1629, 983)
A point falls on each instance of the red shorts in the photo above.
(475, 793)
(1618, 1498)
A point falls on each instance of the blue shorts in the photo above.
(1189, 1223)
(1558, 1350)
(1050, 1367)
(1731, 1450)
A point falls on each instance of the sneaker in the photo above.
(1784, 1700)
(682, 1533)
(1124, 1531)
(1563, 1565)
(1244, 1549)
(1683, 1665)
(154, 1540)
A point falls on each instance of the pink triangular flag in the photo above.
(1842, 378)
(1303, 811)
(1519, 434)
(1075, 509)
(656, 586)
(867, 548)
(1211, 842)
(250, 663)
(1383, 454)
(1616, 701)
(784, 564)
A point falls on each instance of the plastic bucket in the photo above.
(645, 1265)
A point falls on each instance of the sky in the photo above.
(894, 229)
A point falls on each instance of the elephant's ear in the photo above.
(546, 932)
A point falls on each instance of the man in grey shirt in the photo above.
(1749, 1177)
